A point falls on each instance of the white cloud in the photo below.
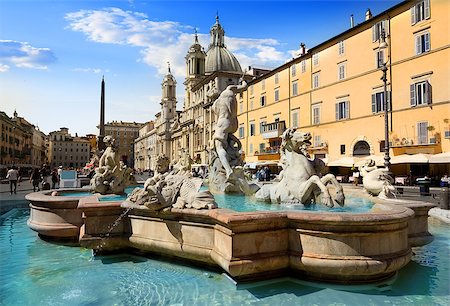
(23, 55)
(3, 67)
(89, 70)
(165, 41)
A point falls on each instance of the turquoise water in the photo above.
(241, 203)
(114, 197)
(35, 272)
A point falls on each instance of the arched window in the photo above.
(361, 148)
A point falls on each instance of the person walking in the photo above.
(55, 178)
(35, 178)
(12, 176)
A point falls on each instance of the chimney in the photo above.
(352, 21)
(302, 49)
(368, 14)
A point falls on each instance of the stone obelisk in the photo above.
(100, 143)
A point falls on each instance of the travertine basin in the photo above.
(334, 247)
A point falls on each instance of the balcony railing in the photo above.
(273, 130)
(268, 150)
(430, 139)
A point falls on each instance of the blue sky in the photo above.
(53, 53)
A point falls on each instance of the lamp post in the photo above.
(383, 45)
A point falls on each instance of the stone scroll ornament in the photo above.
(226, 173)
(172, 189)
(111, 176)
(300, 181)
(377, 181)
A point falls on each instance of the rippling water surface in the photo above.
(36, 272)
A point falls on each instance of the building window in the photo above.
(252, 129)
(251, 103)
(276, 78)
(261, 126)
(315, 59)
(420, 93)
(316, 114)
(342, 149)
(251, 90)
(378, 102)
(378, 28)
(295, 119)
(251, 148)
(341, 47)
(316, 80)
(262, 101)
(241, 132)
(342, 110)
(263, 84)
(262, 147)
(295, 88)
(341, 71)
(379, 58)
(420, 11)
(277, 95)
(241, 107)
(317, 141)
(422, 132)
(294, 70)
(422, 43)
(303, 64)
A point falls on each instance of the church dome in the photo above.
(218, 57)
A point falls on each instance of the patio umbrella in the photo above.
(441, 158)
(419, 158)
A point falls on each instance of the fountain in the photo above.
(174, 217)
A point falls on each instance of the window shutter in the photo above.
(374, 103)
(413, 94)
(413, 15)
(427, 9)
(427, 42)
(386, 27)
(347, 109)
(418, 48)
(374, 34)
(337, 111)
(428, 93)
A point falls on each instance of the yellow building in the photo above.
(334, 90)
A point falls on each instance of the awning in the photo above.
(441, 158)
(349, 161)
(419, 158)
(254, 165)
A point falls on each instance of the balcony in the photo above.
(430, 139)
(273, 130)
(269, 153)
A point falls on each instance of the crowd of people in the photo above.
(38, 178)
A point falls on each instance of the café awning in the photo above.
(419, 158)
(441, 158)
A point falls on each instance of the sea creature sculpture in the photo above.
(112, 175)
(299, 179)
(377, 181)
(167, 190)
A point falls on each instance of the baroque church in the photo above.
(207, 75)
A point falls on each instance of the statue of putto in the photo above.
(377, 181)
(112, 175)
(225, 160)
(184, 163)
(172, 189)
(299, 180)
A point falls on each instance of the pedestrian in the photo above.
(355, 175)
(55, 178)
(35, 179)
(12, 176)
(267, 173)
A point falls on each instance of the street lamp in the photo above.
(383, 45)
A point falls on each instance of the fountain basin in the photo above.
(344, 248)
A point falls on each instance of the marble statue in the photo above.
(226, 172)
(183, 166)
(171, 189)
(112, 175)
(299, 179)
(377, 181)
